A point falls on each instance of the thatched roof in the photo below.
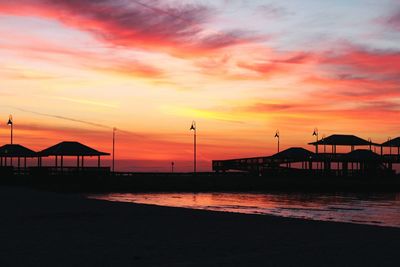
(294, 153)
(13, 150)
(392, 142)
(71, 149)
(342, 140)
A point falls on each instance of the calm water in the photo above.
(376, 209)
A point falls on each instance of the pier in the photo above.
(359, 160)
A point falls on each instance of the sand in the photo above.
(50, 229)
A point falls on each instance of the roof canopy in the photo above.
(392, 142)
(294, 153)
(71, 149)
(361, 155)
(16, 151)
(342, 140)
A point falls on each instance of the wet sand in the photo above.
(50, 229)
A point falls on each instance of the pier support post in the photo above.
(345, 167)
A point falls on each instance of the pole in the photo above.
(12, 133)
(113, 150)
(277, 135)
(278, 144)
(195, 158)
(315, 133)
(11, 140)
(194, 128)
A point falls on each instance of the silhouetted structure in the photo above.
(71, 149)
(393, 143)
(355, 162)
(341, 140)
(10, 151)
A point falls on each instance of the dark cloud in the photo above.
(393, 20)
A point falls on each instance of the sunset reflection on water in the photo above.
(372, 209)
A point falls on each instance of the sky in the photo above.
(73, 70)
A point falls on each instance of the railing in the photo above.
(54, 171)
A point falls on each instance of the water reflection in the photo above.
(374, 209)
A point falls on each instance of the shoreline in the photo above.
(242, 210)
(44, 228)
(205, 182)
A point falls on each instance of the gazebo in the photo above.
(11, 151)
(342, 140)
(364, 159)
(294, 154)
(393, 143)
(362, 155)
(71, 149)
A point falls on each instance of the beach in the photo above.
(51, 229)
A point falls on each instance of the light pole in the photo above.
(10, 123)
(323, 141)
(172, 167)
(315, 133)
(113, 149)
(277, 136)
(194, 128)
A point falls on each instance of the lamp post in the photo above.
(194, 128)
(277, 136)
(10, 123)
(370, 143)
(323, 141)
(315, 133)
(113, 149)
(172, 167)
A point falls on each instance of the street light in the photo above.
(10, 123)
(113, 159)
(277, 136)
(172, 167)
(194, 128)
(315, 133)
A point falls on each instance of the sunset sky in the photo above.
(73, 70)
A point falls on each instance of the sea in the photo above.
(382, 209)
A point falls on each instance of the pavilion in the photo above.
(11, 151)
(342, 140)
(71, 149)
(393, 143)
(294, 155)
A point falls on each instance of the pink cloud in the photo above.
(178, 29)
(40, 49)
(378, 63)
